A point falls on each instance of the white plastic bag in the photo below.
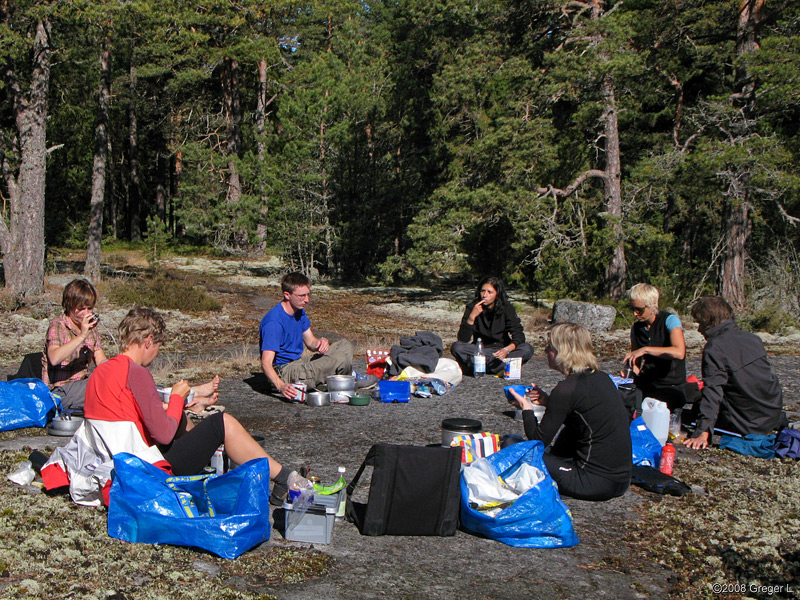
(524, 478)
(23, 474)
(485, 486)
(489, 493)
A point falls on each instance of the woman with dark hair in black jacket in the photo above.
(491, 317)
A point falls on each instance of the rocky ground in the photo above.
(738, 529)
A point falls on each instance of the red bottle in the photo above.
(667, 459)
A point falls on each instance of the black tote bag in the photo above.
(414, 491)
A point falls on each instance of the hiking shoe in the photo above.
(279, 493)
(365, 381)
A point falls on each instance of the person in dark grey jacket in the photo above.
(741, 392)
(491, 317)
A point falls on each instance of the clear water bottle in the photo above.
(342, 495)
(479, 361)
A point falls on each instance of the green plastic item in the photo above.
(331, 489)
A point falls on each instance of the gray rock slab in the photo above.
(595, 317)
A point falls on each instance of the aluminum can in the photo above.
(302, 389)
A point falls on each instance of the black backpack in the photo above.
(414, 491)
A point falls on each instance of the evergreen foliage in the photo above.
(420, 139)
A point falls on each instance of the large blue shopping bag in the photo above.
(645, 448)
(537, 519)
(26, 403)
(224, 514)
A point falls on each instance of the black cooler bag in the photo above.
(414, 491)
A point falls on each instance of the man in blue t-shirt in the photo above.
(285, 330)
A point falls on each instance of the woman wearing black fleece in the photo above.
(491, 317)
(591, 457)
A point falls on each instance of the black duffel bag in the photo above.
(414, 491)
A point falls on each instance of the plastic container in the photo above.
(667, 459)
(341, 507)
(479, 361)
(330, 500)
(314, 526)
(395, 391)
(455, 427)
(360, 399)
(538, 412)
(656, 416)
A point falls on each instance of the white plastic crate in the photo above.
(314, 526)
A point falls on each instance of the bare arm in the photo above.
(267, 360)
(676, 350)
(58, 354)
(314, 343)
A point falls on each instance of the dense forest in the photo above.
(573, 146)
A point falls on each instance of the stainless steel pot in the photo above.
(318, 399)
(64, 426)
(341, 397)
(341, 383)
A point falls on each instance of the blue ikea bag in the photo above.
(224, 514)
(26, 403)
(645, 447)
(537, 519)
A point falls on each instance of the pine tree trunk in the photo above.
(233, 115)
(616, 271)
(92, 266)
(134, 201)
(22, 240)
(737, 213)
(261, 121)
(737, 219)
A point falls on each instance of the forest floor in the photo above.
(735, 536)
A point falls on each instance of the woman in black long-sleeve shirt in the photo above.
(591, 458)
(491, 317)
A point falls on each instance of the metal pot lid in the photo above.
(467, 425)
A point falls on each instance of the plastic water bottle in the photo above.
(656, 416)
(667, 459)
(479, 361)
(342, 495)
(301, 492)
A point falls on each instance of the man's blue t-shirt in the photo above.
(283, 334)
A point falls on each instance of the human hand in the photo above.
(634, 357)
(88, 322)
(323, 345)
(476, 310)
(698, 442)
(522, 402)
(501, 354)
(535, 395)
(288, 390)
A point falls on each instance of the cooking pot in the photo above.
(64, 426)
(318, 399)
(341, 397)
(359, 399)
(455, 427)
(341, 383)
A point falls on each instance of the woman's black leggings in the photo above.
(577, 483)
(192, 451)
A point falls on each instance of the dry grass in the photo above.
(52, 548)
(742, 530)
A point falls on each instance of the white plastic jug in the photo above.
(656, 416)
